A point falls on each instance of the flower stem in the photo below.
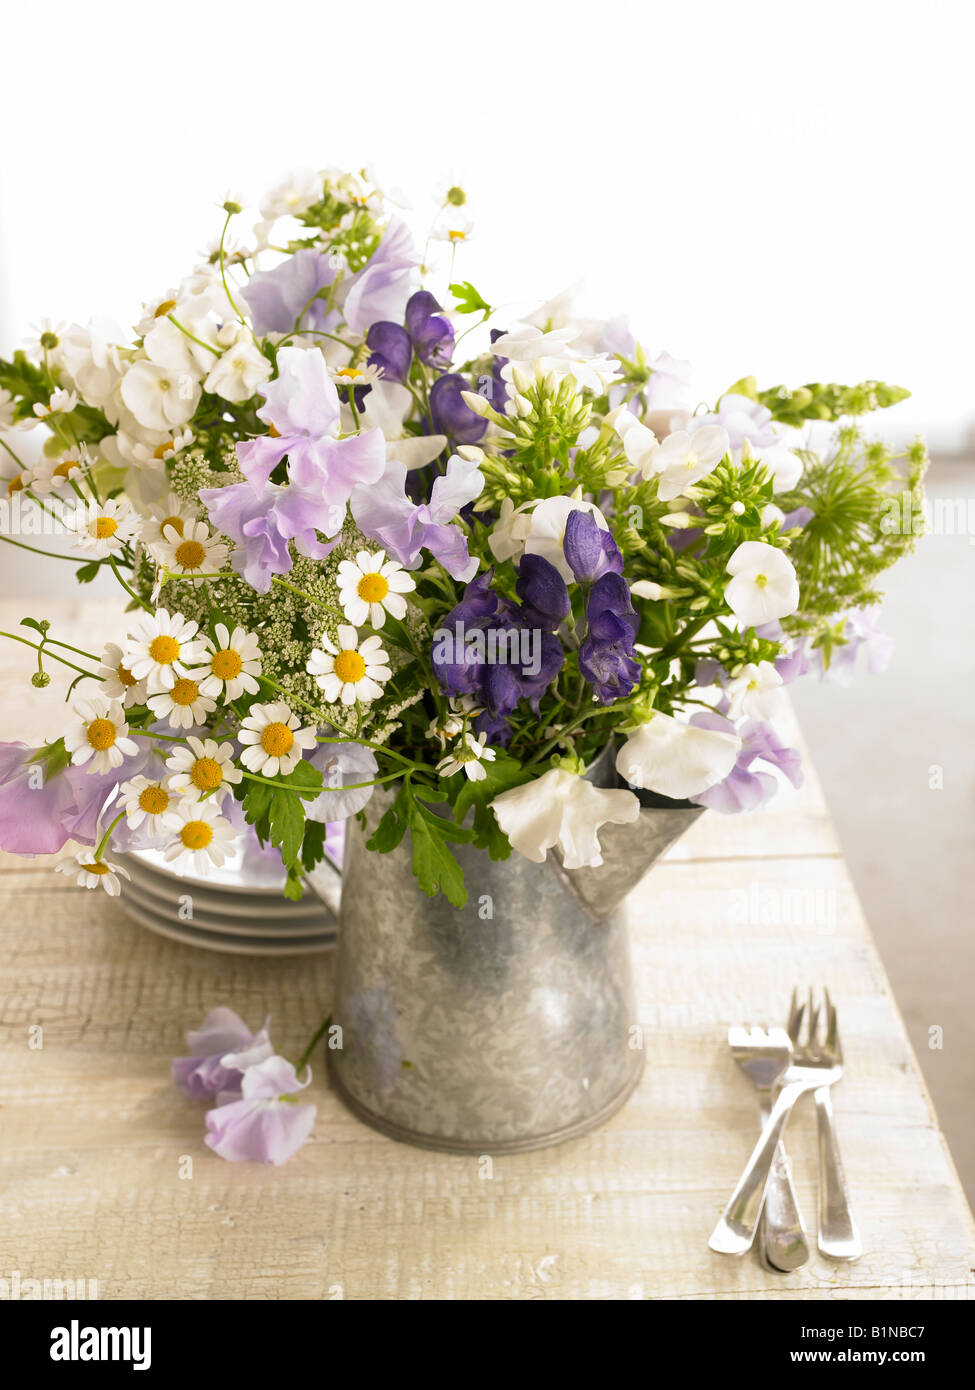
(104, 840)
(316, 1038)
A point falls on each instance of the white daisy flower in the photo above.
(171, 512)
(102, 527)
(100, 736)
(460, 711)
(352, 670)
(46, 336)
(471, 755)
(191, 552)
(362, 375)
(142, 799)
(93, 873)
(372, 586)
(230, 664)
(56, 475)
(118, 682)
(200, 832)
(203, 768)
(183, 704)
(273, 739)
(161, 647)
(62, 402)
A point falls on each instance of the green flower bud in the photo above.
(40, 679)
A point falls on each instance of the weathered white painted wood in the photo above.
(93, 1134)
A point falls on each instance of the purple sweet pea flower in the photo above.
(589, 550)
(385, 513)
(222, 1049)
(542, 591)
(379, 290)
(432, 334)
(302, 405)
(39, 814)
(607, 658)
(277, 297)
(743, 789)
(251, 522)
(743, 418)
(451, 415)
(391, 350)
(265, 1124)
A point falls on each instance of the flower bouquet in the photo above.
(385, 541)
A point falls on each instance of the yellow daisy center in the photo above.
(458, 236)
(16, 484)
(350, 372)
(176, 522)
(97, 869)
(350, 667)
(372, 587)
(101, 734)
(184, 692)
(153, 800)
(226, 665)
(274, 432)
(64, 468)
(164, 650)
(125, 676)
(190, 554)
(164, 308)
(207, 774)
(105, 526)
(196, 834)
(161, 450)
(276, 740)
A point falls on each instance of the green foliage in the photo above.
(273, 807)
(867, 510)
(469, 301)
(434, 866)
(820, 401)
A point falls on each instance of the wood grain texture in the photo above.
(94, 1136)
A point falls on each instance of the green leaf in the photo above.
(88, 572)
(392, 827)
(34, 623)
(313, 844)
(287, 818)
(293, 887)
(469, 301)
(436, 869)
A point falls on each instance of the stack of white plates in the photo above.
(239, 907)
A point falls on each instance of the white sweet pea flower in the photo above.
(507, 538)
(91, 358)
(763, 586)
(783, 463)
(547, 530)
(676, 759)
(293, 195)
(684, 459)
(240, 371)
(639, 442)
(561, 808)
(756, 693)
(530, 344)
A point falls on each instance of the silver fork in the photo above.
(837, 1236)
(735, 1231)
(781, 1239)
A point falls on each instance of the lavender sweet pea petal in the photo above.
(258, 458)
(251, 522)
(341, 765)
(261, 1126)
(331, 468)
(382, 287)
(220, 1049)
(276, 297)
(302, 399)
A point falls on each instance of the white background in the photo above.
(773, 188)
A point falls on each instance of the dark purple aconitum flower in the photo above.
(432, 334)
(542, 591)
(490, 648)
(391, 350)
(451, 416)
(589, 550)
(607, 658)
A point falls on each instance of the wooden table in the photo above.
(94, 1137)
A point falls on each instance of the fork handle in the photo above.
(838, 1236)
(735, 1231)
(781, 1237)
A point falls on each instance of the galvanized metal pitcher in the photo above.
(509, 1024)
